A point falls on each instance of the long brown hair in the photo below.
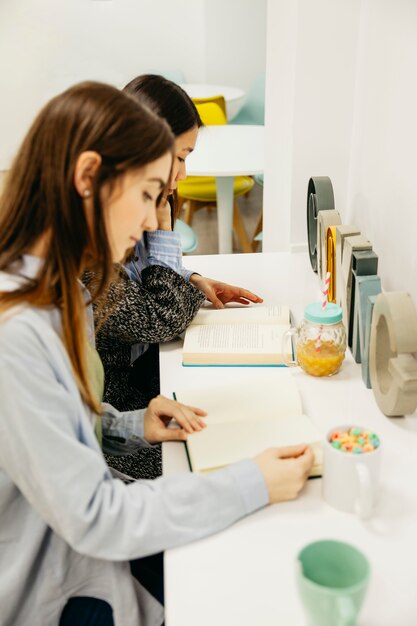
(40, 198)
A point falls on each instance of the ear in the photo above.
(86, 168)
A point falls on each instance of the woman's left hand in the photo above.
(220, 293)
(163, 215)
(161, 411)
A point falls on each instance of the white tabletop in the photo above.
(246, 574)
(228, 151)
(234, 96)
(204, 90)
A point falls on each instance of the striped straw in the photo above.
(325, 292)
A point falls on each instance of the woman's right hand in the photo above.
(285, 471)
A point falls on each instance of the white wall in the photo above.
(382, 197)
(311, 63)
(235, 41)
(46, 45)
(342, 101)
(279, 114)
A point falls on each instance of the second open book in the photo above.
(249, 335)
(245, 419)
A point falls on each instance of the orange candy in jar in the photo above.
(321, 342)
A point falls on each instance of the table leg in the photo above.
(224, 189)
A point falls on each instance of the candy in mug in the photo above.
(355, 440)
(320, 340)
(351, 469)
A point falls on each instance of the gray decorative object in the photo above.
(392, 360)
(320, 197)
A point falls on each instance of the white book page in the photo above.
(221, 444)
(274, 314)
(276, 394)
(236, 339)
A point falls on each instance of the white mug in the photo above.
(351, 481)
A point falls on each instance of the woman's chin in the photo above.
(119, 256)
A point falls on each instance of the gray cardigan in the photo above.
(66, 526)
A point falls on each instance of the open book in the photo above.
(237, 336)
(244, 420)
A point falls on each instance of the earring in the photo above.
(86, 193)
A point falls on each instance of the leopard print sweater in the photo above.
(155, 311)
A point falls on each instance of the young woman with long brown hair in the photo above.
(83, 188)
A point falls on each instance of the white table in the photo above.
(226, 152)
(245, 575)
(234, 96)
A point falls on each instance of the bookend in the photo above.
(320, 197)
(351, 244)
(364, 263)
(325, 220)
(366, 291)
(331, 262)
(392, 360)
(343, 233)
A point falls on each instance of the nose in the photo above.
(182, 172)
(151, 222)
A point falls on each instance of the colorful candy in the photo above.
(354, 441)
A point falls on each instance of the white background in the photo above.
(47, 45)
(341, 93)
(342, 102)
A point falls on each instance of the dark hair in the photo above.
(170, 102)
(166, 99)
(40, 198)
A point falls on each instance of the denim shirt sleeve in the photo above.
(163, 247)
(186, 274)
(123, 432)
(48, 450)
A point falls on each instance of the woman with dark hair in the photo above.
(129, 353)
(135, 317)
(170, 102)
(68, 529)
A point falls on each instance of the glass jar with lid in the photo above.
(320, 340)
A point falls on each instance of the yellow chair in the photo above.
(219, 100)
(200, 191)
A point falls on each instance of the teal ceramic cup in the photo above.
(332, 580)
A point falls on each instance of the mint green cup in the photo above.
(332, 579)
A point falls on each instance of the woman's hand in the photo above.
(285, 471)
(163, 215)
(221, 293)
(161, 411)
